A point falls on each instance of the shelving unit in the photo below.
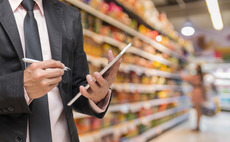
(221, 74)
(142, 21)
(172, 108)
(224, 94)
(123, 27)
(127, 124)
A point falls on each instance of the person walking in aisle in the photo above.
(198, 93)
(33, 98)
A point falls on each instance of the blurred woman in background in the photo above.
(198, 93)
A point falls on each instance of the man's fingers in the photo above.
(54, 80)
(92, 83)
(84, 92)
(117, 64)
(49, 64)
(110, 55)
(52, 86)
(50, 73)
(113, 70)
(100, 79)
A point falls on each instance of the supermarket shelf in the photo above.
(124, 27)
(136, 16)
(222, 75)
(149, 72)
(214, 66)
(119, 128)
(224, 102)
(225, 96)
(145, 22)
(158, 130)
(131, 87)
(225, 107)
(222, 82)
(99, 61)
(134, 107)
(111, 41)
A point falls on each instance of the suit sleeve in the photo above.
(12, 98)
(80, 70)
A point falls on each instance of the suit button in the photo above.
(11, 109)
(18, 139)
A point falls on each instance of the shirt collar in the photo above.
(39, 3)
(16, 3)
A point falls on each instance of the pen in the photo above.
(27, 60)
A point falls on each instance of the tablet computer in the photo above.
(102, 72)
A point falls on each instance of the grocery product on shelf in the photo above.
(111, 9)
(148, 20)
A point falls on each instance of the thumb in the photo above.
(110, 55)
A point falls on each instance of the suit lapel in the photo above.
(9, 24)
(53, 15)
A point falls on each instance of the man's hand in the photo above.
(98, 90)
(42, 77)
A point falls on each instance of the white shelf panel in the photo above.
(149, 72)
(225, 107)
(123, 127)
(123, 27)
(158, 130)
(131, 87)
(99, 61)
(133, 107)
(222, 82)
(111, 41)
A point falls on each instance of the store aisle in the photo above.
(215, 129)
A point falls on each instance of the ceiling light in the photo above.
(188, 29)
(214, 11)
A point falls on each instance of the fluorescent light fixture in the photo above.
(188, 31)
(214, 11)
(217, 21)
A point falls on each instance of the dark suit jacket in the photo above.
(66, 39)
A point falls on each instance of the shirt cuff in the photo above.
(27, 98)
(102, 105)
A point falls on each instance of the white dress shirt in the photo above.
(59, 128)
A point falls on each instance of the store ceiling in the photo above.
(178, 11)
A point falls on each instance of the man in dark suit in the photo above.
(60, 31)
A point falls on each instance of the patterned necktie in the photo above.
(39, 120)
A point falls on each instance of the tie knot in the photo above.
(28, 5)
